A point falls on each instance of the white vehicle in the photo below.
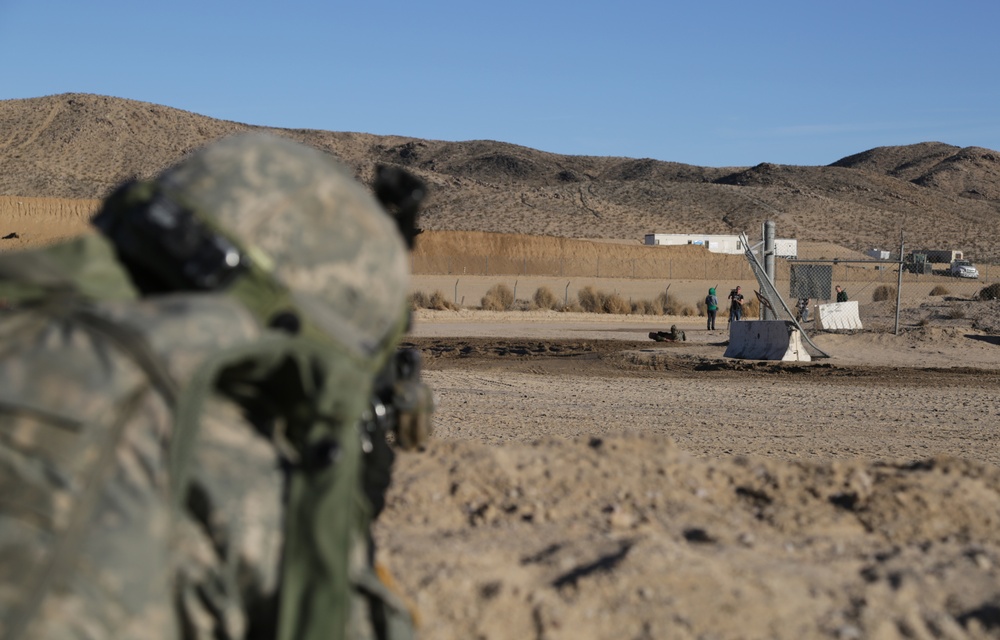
(963, 269)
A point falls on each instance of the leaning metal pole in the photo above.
(775, 297)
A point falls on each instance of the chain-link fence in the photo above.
(812, 275)
(877, 282)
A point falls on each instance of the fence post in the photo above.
(899, 283)
(566, 296)
(456, 291)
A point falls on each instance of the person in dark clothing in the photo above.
(736, 304)
(841, 294)
(802, 310)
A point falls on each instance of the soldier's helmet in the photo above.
(299, 214)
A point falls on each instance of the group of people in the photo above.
(712, 306)
(736, 302)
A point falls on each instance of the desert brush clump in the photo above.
(440, 303)
(939, 290)
(436, 301)
(419, 300)
(500, 297)
(992, 292)
(646, 308)
(591, 299)
(671, 306)
(615, 303)
(545, 299)
(884, 292)
(595, 301)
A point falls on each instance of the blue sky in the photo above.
(707, 83)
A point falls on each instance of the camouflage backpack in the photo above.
(179, 464)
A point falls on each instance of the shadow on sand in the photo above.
(995, 340)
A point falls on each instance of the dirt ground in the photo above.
(587, 482)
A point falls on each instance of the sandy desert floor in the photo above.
(587, 482)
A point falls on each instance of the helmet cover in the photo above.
(301, 215)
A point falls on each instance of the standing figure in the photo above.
(711, 308)
(802, 310)
(841, 294)
(736, 304)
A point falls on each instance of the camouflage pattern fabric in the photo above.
(88, 523)
(172, 466)
(305, 219)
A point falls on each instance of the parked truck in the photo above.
(963, 269)
(942, 256)
(917, 263)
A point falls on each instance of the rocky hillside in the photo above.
(81, 145)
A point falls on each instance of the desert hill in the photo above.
(79, 146)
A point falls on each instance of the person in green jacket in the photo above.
(711, 308)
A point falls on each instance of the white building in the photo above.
(783, 247)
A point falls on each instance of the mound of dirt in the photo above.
(633, 538)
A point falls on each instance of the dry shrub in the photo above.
(591, 300)
(440, 303)
(939, 290)
(670, 305)
(545, 299)
(955, 313)
(596, 301)
(573, 306)
(991, 292)
(419, 300)
(751, 308)
(614, 303)
(647, 308)
(688, 311)
(702, 308)
(884, 292)
(498, 298)
(437, 301)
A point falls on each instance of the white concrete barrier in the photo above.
(838, 315)
(766, 340)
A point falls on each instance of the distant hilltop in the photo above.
(81, 145)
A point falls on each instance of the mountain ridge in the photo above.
(76, 145)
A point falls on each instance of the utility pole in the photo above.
(768, 314)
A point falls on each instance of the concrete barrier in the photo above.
(766, 340)
(838, 315)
